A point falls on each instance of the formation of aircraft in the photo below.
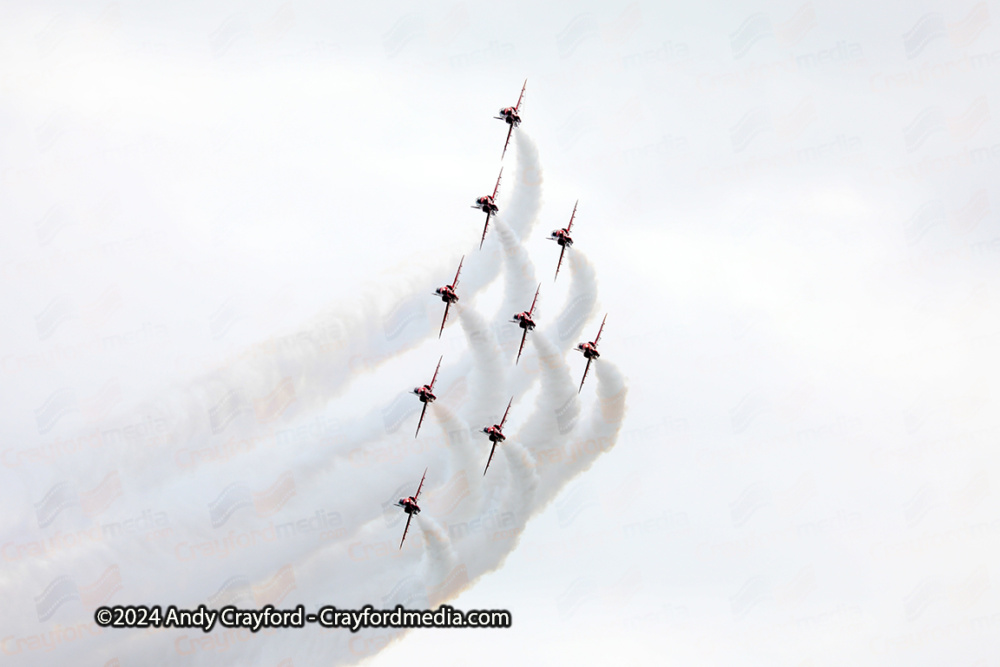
(410, 506)
(524, 319)
(447, 294)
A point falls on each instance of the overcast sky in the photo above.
(791, 213)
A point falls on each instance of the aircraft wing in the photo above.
(416, 496)
(533, 301)
(447, 305)
(408, 518)
(485, 227)
(509, 130)
(455, 283)
(562, 252)
(496, 188)
(600, 330)
(422, 413)
(490, 459)
(570, 225)
(584, 376)
(520, 349)
(434, 379)
(521, 96)
(505, 413)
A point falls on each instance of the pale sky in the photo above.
(791, 213)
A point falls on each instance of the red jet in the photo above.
(426, 395)
(590, 352)
(496, 435)
(512, 116)
(410, 506)
(487, 204)
(562, 237)
(524, 321)
(447, 294)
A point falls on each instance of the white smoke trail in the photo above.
(568, 326)
(558, 405)
(605, 422)
(526, 201)
(524, 482)
(439, 558)
(465, 457)
(519, 289)
(489, 379)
